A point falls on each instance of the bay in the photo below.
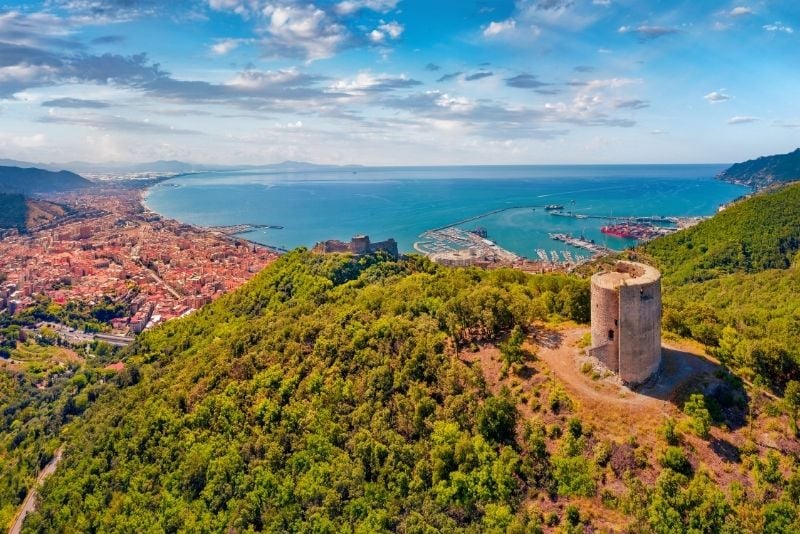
(403, 202)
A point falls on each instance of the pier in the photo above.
(242, 228)
(581, 242)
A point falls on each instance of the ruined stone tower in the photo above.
(626, 320)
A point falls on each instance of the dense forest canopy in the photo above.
(733, 283)
(321, 396)
(13, 211)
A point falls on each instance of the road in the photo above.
(29, 504)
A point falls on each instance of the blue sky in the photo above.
(399, 81)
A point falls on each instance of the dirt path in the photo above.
(603, 402)
(29, 504)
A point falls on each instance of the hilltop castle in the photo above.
(358, 245)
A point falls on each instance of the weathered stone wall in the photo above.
(605, 316)
(640, 331)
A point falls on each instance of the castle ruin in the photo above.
(358, 245)
(626, 320)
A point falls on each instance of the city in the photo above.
(110, 248)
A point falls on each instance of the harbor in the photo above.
(458, 245)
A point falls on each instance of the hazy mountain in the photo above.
(32, 180)
(165, 166)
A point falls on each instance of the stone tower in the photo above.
(626, 320)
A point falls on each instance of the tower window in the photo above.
(611, 335)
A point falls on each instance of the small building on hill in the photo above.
(626, 320)
(358, 245)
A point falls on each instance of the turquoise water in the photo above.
(404, 202)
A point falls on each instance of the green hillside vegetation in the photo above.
(733, 283)
(321, 396)
(13, 211)
(34, 181)
(44, 392)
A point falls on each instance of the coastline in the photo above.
(406, 204)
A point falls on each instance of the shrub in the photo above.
(695, 408)
(674, 458)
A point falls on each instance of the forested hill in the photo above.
(13, 212)
(17, 211)
(733, 283)
(765, 171)
(320, 397)
(759, 233)
(35, 181)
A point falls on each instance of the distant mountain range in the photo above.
(30, 181)
(165, 166)
(765, 171)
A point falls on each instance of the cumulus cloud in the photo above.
(366, 82)
(742, 120)
(716, 97)
(351, 6)
(496, 28)
(778, 27)
(386, 30)
(647, 32)
(223, 47)
(740, 11)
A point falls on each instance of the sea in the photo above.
(307, 206)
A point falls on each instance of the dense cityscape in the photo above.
(110, 247)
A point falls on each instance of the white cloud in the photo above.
(716, 97)
(225, 46)
(351, 6)
(740, 11)
(305, 29)
(778, 27)
(601, 2)
(366, 82)
(496, 28)
(253, 80)
(392, 30)
(742, 120)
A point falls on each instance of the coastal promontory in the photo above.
(764, 171)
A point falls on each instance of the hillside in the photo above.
(732, 283)
(751, 236)
(331, 395)
(17, 211)
(13, 211)
(36, 181)
(765, 171)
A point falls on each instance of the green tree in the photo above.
(792, 397)
(696, 409)
(497, 418)
(512, 351)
